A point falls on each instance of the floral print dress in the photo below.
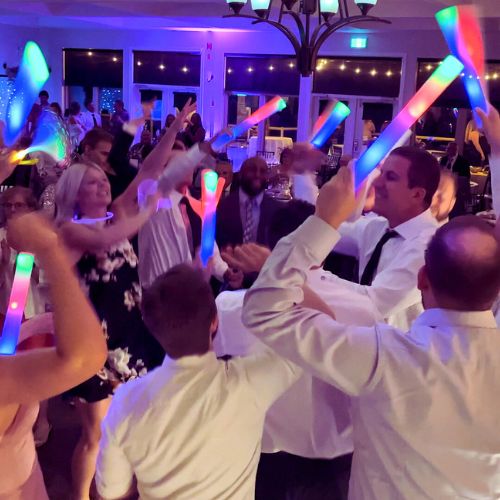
(112, 283)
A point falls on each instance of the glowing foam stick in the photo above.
(330, 119)
(51, 137)
(211, 190)
(275, 105)
(462, 31)
(414, 109)
(17, 301)
(31, 77)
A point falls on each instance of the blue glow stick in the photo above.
(17, 302)
(31, 77)
(328, 122)
(438, 82)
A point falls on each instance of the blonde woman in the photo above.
(107, 265)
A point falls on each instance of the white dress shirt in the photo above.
(393, 296)
(304, 187)
(425, 404)
(190, 429)
(88, 122)
(163, 244)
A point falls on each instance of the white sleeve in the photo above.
(114, 475)
(305, 187)
(219, 265)
(495, 183)
(342, 355)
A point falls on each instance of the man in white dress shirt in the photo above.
(90, 118)
(425, 409)
(390, 248)
(192, 428)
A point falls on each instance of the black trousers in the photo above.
(282, 476)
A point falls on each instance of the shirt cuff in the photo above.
(318, 236)
(130, 129)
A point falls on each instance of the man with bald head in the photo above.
(244, 216)
(424, 403)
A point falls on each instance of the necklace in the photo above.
(109, 215)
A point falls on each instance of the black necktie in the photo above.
(371, 266)
(95, 121)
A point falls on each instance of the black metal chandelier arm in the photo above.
(317, 30)
(340, 24)
(289, 34)
(300, 25)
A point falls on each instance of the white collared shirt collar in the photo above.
(244, 197)
(449, 317)
(413, 227)
(176, 197)
(194, 361)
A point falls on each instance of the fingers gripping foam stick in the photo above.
(31, 77)
(414, 109)
(17, 301)
(275, 105)
(333, 115)
(462, 31)
(211, 190)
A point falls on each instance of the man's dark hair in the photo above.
(87, 101)
(43, 93)
(95, 136)
(288, 219)
(179, 309)
(463, 264)
(424, 170)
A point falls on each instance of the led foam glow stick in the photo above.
(414, 109)
(31, 77)
(17, 301)
(333, 115)
(211, 190)
(462, 31)
(275, 105)
(51, 137)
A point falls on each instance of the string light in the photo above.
(428, 67)
(342, 67)
(139, 63)
(291, 65)
(357, 71)
(115, 59)
(495, 76)
(250, 69)
(185, 69)
(389, 73)
(89, 53)
(373, 72)
(487, 77)
(271, 68)
(229, 70)
(162, 67)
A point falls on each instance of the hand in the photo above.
(207, 271)
(336, 200)
(188, 108)
(31, 233)
(248, 258)
(306, 158)
(491, 127)
(234, 278)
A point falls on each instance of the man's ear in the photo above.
(423, 279)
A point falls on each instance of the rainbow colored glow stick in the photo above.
(275, 105)
(211, 190)
(333, 115)
(51, 137)
(31, 77)
(414, 109)
(462, 30)
(17, 301)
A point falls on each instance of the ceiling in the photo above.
(200, 14)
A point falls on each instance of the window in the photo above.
(93, 68)
(358, 76)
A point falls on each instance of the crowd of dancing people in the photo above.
(338, 344)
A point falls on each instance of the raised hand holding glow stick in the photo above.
(17, 302)
(333, 115)
(462, 30)
(31, 77)
(442, 77)
(275, 105)
(211, 190)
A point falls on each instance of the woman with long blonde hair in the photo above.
(107, 265)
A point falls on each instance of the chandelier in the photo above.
(307, 44)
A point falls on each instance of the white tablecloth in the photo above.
(272, 144)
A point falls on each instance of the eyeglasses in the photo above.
(17, 206)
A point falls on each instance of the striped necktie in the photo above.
(249, 221)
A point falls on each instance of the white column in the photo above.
(305, 107)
